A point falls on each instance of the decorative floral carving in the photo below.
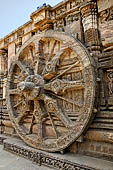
(106, 15)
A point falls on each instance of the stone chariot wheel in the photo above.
(51, 91)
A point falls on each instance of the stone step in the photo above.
(104, 120)
(101, 125)
(10, 161)
(105, 114)
(67, 161)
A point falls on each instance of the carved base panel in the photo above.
(54, 161)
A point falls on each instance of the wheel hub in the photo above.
(32, 86)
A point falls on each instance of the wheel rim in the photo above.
(51, 91)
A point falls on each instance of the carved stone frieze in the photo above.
(44, 159)
(110, 81)
(106, 15)
(66, 7)
(71, 18)
(59, 25)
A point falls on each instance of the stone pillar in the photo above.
(39, 52)
(11, 53)
(18, 44)
(4, 87)
(3, 62)
(3, 71)
(89, 13)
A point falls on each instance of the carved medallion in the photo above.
(51, 91)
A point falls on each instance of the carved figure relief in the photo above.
(71, 18)
(51, 91)
(110, 81)
(59, 25)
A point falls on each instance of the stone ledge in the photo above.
(2, 138)
(58, 161)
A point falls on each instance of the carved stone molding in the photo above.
(44, 159)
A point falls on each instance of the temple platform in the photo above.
(44, 160)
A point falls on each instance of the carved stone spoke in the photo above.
(20, 118)
(23, 68)
(47, 91)
(52, 107)
(37, 118)
(24, 110)
(68, 100)
(19, 103)
(18, 77)
(14, 91)
(60, 86)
